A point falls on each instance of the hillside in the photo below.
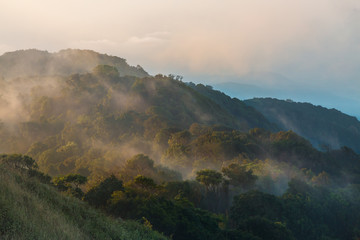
(185, 160)
(34, 62)
(325, 128)
(236, 107)
(33, 209)
(97, 120)
(91, 123)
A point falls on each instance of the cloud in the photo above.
(146, 39)
(154, 37)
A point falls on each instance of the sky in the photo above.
(310, 44)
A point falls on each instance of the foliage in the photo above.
(303, 212)
(70, 183)
(266, 229)
(99, 195)
(254, 203)
(18, 161)
(210, 178)
(239, 176)
(30, 209)
(174, 218)
(132, 137)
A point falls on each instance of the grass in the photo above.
(33, 210)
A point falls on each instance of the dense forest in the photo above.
(182, 159)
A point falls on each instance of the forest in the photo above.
(182, 159)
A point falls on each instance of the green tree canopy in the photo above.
(239, 176)
(99, 195)
(210, 178)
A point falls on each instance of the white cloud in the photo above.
(153, 37)
(146, 39)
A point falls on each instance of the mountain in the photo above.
(123, 144)
(61, 121)
(34, 62)
(323, 127)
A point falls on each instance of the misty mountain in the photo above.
(61, 121)
(168, 154)
(236, 107)
(34, 62)
(324, 127)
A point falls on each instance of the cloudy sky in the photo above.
(310, 43)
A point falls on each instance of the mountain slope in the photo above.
(344, 102)
(237, 108)
(34, 62)
(320, 125)
(30, 209)
(123, 116)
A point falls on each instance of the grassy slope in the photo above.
(32, 210)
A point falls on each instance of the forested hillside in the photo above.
(325, 128)
(94, 121)
(236, 107)
(182, 159)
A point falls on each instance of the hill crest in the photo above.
(33, 62)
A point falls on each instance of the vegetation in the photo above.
(103, 148)
(34, 62)
(31, 209)
(326, 128)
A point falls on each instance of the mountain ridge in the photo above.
(64, 62)
(322, 126)
(317, 96)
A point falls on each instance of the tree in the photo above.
(146, 185)
(239, 176)
(144, 182)
(106, 71)
(255, 204)
(140, 164)
(266, 229)
(321, 180)
(99, 195)
(210, 178)
(70, 183)
(19, 161)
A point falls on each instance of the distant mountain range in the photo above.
(316, 96)
(323, 127)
